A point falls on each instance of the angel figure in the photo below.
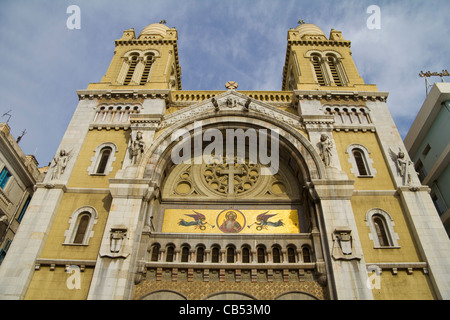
(325, 146)
(60, 163)
(137, 148)
(199, 221)
(402, 164)
(262, 221)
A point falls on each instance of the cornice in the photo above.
(341, 95)
(123, 94)
(131, 42)
(318, 42)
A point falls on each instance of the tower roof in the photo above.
(309, 29)
(155, 29)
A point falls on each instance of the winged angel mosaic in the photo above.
(230, 221)
(199, 221)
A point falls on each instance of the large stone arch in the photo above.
(164, 295)
(296, 295)
(157, 156)
(230, 295)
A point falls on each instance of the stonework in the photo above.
(322, 214)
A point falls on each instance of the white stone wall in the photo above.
(17, 269)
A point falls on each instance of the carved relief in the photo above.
(343, 244)
(117, 248)
(403, 165)
(231, 101)
(60, 163)
(230, 178)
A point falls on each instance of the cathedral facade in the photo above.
(161, 193)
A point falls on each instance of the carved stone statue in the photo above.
(137, 148)
(325, 147)
(60, 164)
(403, 166)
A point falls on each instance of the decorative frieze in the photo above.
(123, 94)
(340, 95)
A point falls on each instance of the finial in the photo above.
(163, 22)
(231, 85)
(300, 21)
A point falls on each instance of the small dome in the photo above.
(309, 29)
(155, 29)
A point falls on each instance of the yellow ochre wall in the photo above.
(47, 284)
(80, 177)
(51, 285)
(159, 74)
(392, 287)
(382, 179)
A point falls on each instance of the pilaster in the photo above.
(340, 233)
(116, 263)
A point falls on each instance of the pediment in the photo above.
(234, 102)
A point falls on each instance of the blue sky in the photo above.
(43, 63)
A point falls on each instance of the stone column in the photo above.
(338, 227)
(114, 273)
(434, 245)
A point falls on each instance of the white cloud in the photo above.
(43, 63)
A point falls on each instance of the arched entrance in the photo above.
(232, 224)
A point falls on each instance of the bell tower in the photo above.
(149, 61)
(314, 62)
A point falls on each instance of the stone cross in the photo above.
(231, 85)
(231, 171)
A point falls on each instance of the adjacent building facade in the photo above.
(161, 193)
(428, 144)
(18, 175)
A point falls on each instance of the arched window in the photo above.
(316, 62)
(230, 255)
(261, 254)
(245, 255)
(381, 228)
(334, 72)
(215, 254)
(306, 254)
(185, 254)
(148, 61)
(155, 252)
(200, 254)
(104, 157)
(82, 227)
(81, 224)
(360, 162)
(276, 256)
(169, 253)
(291, 255)
(133, 62)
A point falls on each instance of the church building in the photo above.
(161, 193)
